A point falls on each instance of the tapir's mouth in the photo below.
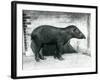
(83, 37)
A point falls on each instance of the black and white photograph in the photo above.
(54, 40)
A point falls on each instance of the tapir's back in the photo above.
(46, 33)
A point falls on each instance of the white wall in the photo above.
(5, 40)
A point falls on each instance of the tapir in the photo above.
(47, 34)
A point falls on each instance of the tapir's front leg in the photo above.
(60, 50)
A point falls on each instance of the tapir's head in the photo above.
(75, 32)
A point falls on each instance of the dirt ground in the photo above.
(70, 61)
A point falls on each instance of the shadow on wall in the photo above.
(49, 50)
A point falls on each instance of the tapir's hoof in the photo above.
(43, 58)
(55, 57)
(61, 58)
(37, 60)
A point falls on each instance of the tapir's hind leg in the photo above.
(35, 49)
(41, 56)
(37, 58)
(38, 46)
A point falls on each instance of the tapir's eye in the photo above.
(75, 30)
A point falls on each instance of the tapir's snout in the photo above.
(79, 35)
(82, 36)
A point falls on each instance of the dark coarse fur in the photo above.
(46, 34)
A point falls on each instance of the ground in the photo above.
(70, 61)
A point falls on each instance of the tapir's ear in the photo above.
(73, 30)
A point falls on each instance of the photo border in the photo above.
(14, 38)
